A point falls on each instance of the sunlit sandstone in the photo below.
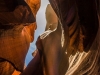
(17, 27)
(51, 18)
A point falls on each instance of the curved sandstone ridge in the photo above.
(17, 26)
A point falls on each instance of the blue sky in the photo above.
(41, 23)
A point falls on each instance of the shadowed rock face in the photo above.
(21, 13)
(80, 19)
(17, 26)
(87, 15)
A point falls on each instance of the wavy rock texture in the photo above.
(80, 54)
(80, 19)
(17, 26)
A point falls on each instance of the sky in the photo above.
(41, 23)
